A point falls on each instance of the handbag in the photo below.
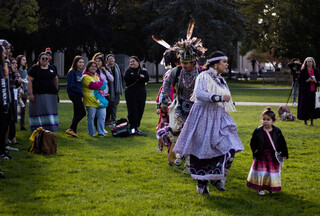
(43, 142)
(317, 100)
(276, 154)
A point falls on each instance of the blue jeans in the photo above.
(101, 116)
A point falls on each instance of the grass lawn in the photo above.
(241, 91)
(126, 176)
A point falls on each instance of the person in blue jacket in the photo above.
(75, 93)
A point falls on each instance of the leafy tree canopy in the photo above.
(284, 29)
(19, 15)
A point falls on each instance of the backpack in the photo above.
(121, 129)
(43, 142)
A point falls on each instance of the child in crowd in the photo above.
(265, 170)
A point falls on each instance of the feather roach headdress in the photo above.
(190, 49)
(170, 56)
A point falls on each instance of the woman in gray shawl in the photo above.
(115, 90)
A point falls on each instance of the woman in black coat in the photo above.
(135, 93)
(309, 80)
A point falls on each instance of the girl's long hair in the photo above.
(97, 54)
(103, 65)
(19, 57)
(75, 62)
(102, 60)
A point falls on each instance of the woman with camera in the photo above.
(309, 80)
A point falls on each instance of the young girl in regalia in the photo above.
(265, 170)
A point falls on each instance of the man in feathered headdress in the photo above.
(183, 79)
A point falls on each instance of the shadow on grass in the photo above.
(238, 202)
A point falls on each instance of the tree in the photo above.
(19, 16)
(285, 28)
(218, 24)
(77, 24)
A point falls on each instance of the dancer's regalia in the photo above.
(190, 50)
(170, 59)
(209, 135)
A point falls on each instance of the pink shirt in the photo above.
(312, 85)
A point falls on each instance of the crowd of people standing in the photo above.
(195, 123)
(94, 89)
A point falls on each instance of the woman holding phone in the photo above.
(309, 80)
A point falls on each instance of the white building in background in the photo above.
(58, 59)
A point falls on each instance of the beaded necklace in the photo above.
(187, 76)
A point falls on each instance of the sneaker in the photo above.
(104, 131)
(261, 193)
(23, 129)
(203, 188)
(9, 148)
(5, 156)
(71, 132)
(133, 131)
(270, 192)
(102, 135)
(294, 104)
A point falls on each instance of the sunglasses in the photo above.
(44, 59)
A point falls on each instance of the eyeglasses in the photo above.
(44, 59)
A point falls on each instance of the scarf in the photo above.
(214, 85)
(117, 79)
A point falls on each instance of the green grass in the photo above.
(126, 176)
(241, 91)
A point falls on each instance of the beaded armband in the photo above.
(216, 98)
